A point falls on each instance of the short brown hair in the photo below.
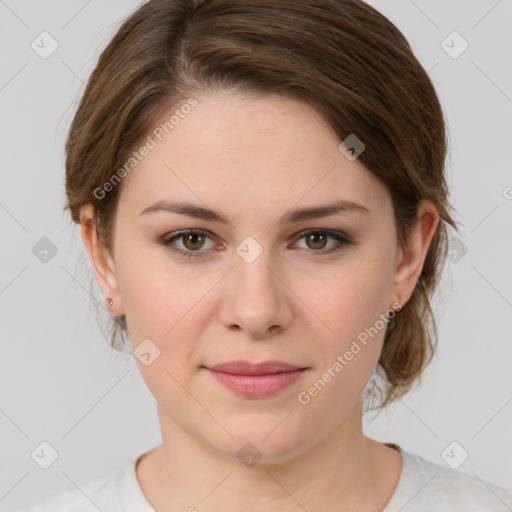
(342, 57)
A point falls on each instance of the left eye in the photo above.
(194, 240)
(320, 238)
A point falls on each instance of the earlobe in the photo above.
(102, 262)
(412, 257)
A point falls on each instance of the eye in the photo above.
(193, 241)
(316, 239)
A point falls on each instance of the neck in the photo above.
(344, 471)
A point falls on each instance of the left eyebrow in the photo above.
(315, 212)
(310, 212)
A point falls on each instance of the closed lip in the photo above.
(247, 368)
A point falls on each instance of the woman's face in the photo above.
(255, 288)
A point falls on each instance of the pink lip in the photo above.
(256, 379)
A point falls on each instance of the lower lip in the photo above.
(257, 385)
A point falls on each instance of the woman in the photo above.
(261, 191)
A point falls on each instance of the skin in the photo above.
(254, 160)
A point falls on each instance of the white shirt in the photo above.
(423, 486)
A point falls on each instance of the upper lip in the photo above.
(247, 368)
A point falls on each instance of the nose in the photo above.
(256, 298)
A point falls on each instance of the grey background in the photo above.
(60, 382)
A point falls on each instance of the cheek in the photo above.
(353, 307)
(350, 299)
(353, 303)
(157, 294)
(167, 305)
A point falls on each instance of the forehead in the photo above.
(231, 149)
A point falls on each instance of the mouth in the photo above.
(256, 379)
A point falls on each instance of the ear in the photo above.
(410, 259)
(102, 262)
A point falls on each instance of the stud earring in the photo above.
(110, 301)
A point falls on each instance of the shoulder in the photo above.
(98, 493)
(427, 487)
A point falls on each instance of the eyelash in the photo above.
(343, 239)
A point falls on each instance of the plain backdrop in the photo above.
(60, 383)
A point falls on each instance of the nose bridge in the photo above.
(254, 272)
(257, 297)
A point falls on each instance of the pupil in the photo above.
(191, 238)
(315, 237)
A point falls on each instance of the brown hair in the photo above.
(342, 57)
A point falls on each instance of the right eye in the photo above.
(192, 240)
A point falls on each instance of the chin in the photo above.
(260, 442)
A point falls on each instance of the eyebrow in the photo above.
(310, 212)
